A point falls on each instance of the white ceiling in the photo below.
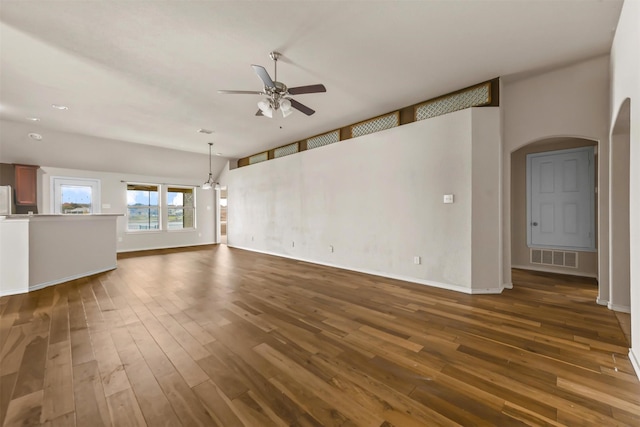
(148, 71)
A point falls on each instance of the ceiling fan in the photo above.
(278, 95)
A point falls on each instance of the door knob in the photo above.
(535, 224)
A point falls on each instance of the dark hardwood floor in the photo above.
(217, 336)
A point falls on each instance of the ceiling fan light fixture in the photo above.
(277, 91)
(266, 108)
(285, 104)
(264, 105)
(285, 107)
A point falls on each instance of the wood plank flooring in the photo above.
(216, 336)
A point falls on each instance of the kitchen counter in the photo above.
(60, 216)
(43, 250)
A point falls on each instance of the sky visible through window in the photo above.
(150, 198)
(174, 199)
(76, 199)
(139, 197)
(76, 194)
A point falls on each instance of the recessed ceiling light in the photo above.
(59, 107)
(33, 119)
(218, 154)
(35, 136)
(206, 131)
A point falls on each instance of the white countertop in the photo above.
(57, 216)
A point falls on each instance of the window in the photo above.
(75, 196)
(180, 208)
(143, 209)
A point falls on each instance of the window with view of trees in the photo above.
(143, 208)
(180, 208)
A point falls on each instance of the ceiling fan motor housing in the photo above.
(276, 93)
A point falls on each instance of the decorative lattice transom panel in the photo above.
(257, 158)
(324, 139)
(286, 150)
(473, 97)
(375, 125)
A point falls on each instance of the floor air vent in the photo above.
(555, 258)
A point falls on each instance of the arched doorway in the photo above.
(526, 255)
(619, 218)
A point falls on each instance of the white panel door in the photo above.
(560, 199)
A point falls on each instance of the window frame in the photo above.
(57, 182)
(159, 207)
(166, 192)
(163, 207)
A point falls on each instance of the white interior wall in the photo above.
(619, 271)
(486, 214)
(113, 194)
(14, 257)
(62, 249)
(625, 84)
(377, 200)
(568, 102)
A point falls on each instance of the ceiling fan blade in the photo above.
(242, 92)
(307, 89)
(264, 76)
(301, 107)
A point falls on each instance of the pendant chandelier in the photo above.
(210, 183)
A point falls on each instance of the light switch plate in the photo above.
(448, 198)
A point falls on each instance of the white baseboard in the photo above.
(447, 286)
(600, 301)
(68, 279)
(617, 307)
(124, 251)
(16, 291)
(635, 361)
(569, 272)
(507, 285)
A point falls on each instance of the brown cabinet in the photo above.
(26, 185)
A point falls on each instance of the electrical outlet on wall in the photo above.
(417, 260)
(330, 248)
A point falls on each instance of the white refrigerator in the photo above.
(5, 200)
